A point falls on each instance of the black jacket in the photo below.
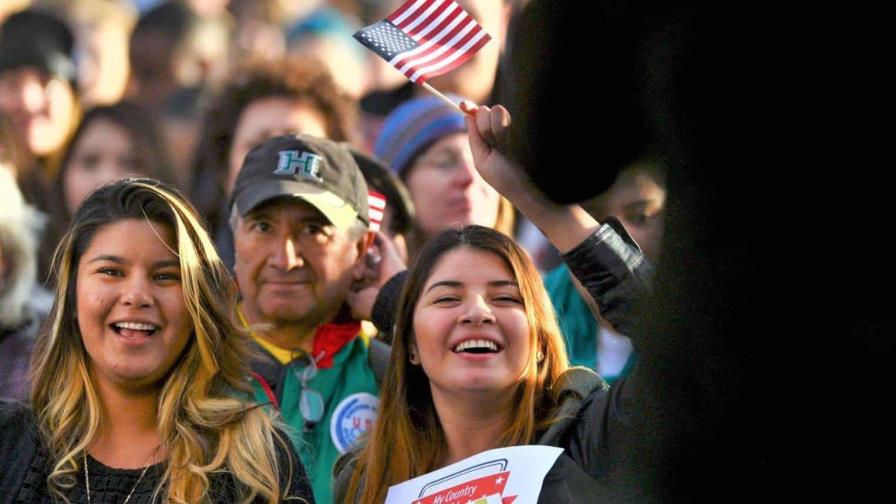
(588, 424)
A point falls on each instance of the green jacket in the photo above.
(349, 389)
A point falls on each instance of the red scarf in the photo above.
(329, 340)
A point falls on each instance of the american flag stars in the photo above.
(387, 39)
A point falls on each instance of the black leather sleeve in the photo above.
(387, 303)
(615, 272)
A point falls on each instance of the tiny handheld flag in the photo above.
(376, 208)
(425, 38)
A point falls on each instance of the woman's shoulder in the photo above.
(580, 382)
(577, 389)
(292, 472)
(226, 487)
(345, 464)
(14, 414)
(18, 429)
(342, 473)
(18, 444)
(587, 421)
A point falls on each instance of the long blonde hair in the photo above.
(408, 440)
(203, 423)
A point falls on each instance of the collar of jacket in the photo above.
(329, 339)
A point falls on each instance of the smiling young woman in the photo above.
(139, 385)
(478, 362)
(471, 329)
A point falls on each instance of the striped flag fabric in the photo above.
(425, 38)
(376, 208)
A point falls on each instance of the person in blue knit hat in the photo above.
(424, 142)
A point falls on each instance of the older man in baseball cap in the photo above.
(299, 216)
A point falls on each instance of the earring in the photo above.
(539, 356)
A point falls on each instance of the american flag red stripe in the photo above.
(433, 37)
(448, 66)
(441, 11)
(376, 208)
(447, 29)
(403, 9)
(448, 11)
(413, 18)
(447, 58)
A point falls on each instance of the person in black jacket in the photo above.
(478, 361)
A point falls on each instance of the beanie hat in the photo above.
(413, 126)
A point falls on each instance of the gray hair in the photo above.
(20, 229)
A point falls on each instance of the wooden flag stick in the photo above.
(444, 98)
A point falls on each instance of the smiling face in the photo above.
(471, 332)
(40, 107)
(130, 304)
(104, 152)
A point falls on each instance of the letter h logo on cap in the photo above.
(304, 164)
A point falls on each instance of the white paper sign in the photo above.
(500, 476)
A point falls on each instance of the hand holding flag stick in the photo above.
(425, 38)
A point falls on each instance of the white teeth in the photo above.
(137, 326)
(476, 343)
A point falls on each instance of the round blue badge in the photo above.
(353, 417)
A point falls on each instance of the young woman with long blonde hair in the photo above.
(138, 386)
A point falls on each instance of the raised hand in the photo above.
(488, 128)
(381, 264)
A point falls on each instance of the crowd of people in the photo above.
(200, 300)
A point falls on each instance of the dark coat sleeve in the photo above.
(611, 266)
(386, 303)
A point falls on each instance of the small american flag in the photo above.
(425, 38)
(376, 207)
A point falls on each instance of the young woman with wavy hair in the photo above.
(478, 362)
(139, 389)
